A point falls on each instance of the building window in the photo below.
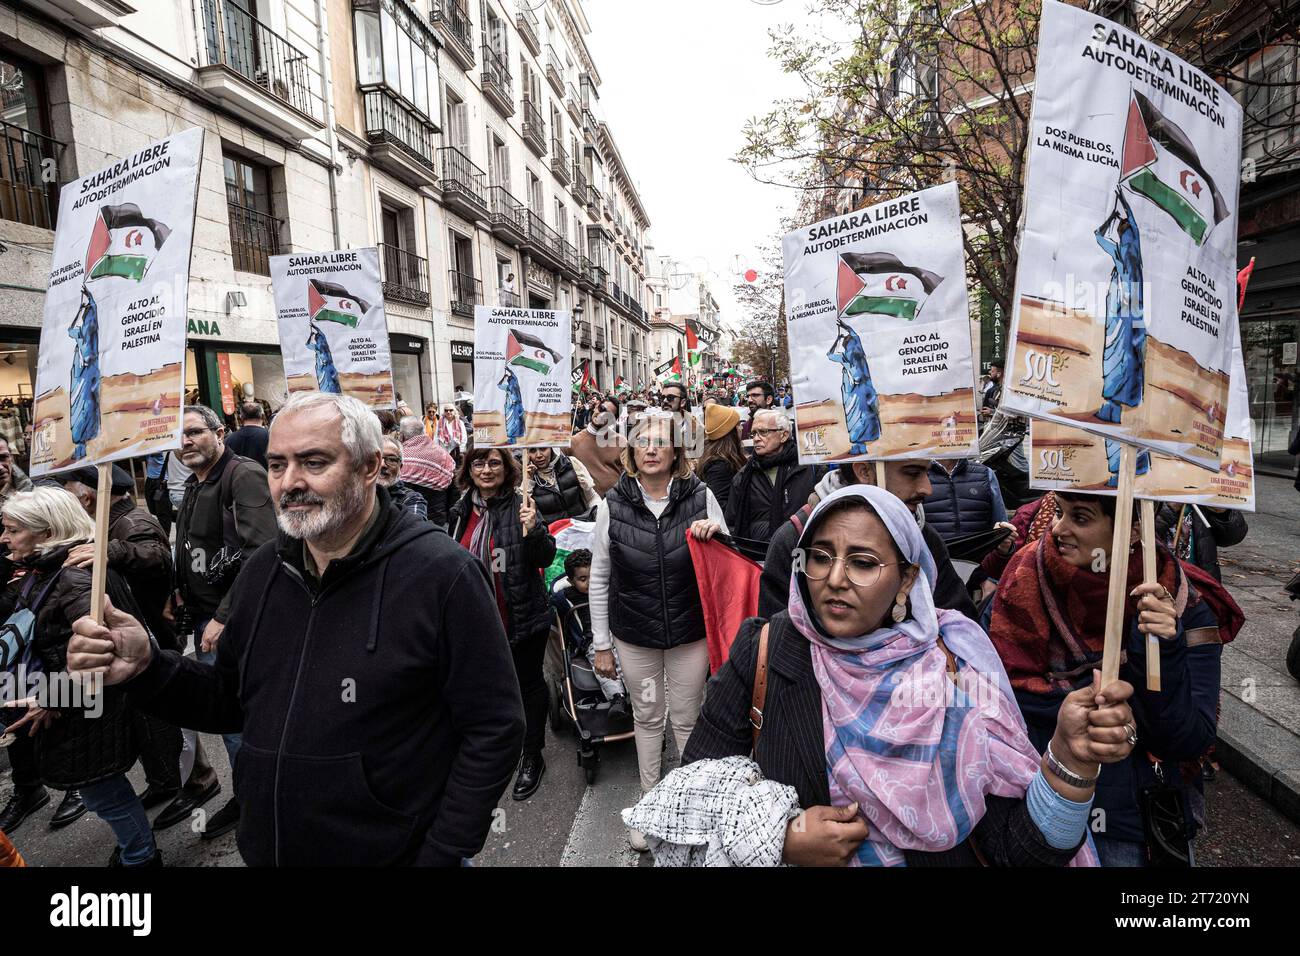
(466, 290)
(498, 162)
(396, 50)
(457, 125)
(406, 274)
(27, 151)
(254, 230)
(535, 199)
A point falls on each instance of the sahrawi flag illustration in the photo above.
(881, 283)
(331, 302)
(1160, 163)
(123, 243)
(528, 351)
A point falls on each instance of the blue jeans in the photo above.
(1127, 852)
(114, 801)
(232, 741)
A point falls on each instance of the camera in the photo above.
(224, 567)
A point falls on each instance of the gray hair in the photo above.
(361, 433)
(210, 418)
(780, 419)
(53, 510)
(410, 426)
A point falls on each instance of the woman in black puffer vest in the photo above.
(493, 518)
(645, 603)
(77, 748)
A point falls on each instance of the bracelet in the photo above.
(1073, 779)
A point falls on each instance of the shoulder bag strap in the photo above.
(760, 689)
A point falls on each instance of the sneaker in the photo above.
(637, 839)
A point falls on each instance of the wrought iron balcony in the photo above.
(593, 200)
(235, 41)
(600, 339)
(458, 29)
(560, 162)
(508, 299)
(586, 277)
(584, 332)
(534, 128)
(579, 182)
(406, 275)
(254, 238)
(498, 86)
(465, 293)
(526, 22)
(464, 185)
(401, 140)
(509, 218)
(569, 259)
(546, 242)
(554, 70)
(25, 196)
(573, 103)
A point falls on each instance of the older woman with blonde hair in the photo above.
(90, 748)
(640, 554)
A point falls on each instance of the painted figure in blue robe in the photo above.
(861, 404)
(1112, 461)
(327, 376)
(83, 405)
(1122, 363)
(514, 406)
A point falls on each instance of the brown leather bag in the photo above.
(760, 691)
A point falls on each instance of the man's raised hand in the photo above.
(119, 648)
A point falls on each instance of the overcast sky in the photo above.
(678, 80)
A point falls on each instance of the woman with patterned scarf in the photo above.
(1048, 624)
(894, 722)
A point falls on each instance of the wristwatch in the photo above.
(1073, 779)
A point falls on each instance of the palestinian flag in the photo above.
(528, 351)
(620, 385)
(569, 535)
(882, 284)
(670, 371)
(693, 354)
(123, 243)
(1159, 162)
(330, 302)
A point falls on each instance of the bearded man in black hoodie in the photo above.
(773, 485)
(381, 720)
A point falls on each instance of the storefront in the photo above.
(1270, 336)
(462, 365)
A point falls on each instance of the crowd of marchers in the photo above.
(368, 601)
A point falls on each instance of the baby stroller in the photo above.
(577, 700)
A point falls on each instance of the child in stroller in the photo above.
(574, 612)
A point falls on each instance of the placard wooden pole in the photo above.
(881, 478)
(99, 570)
(528, 480)
(1149, 577)
(1118, 569)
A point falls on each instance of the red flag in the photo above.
(1242, 278)
(728, 592)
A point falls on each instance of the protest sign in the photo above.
(522, 377)
(333, 332)
(110, 378)
(1124, 306)
(1063, 458)
(880, 333)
